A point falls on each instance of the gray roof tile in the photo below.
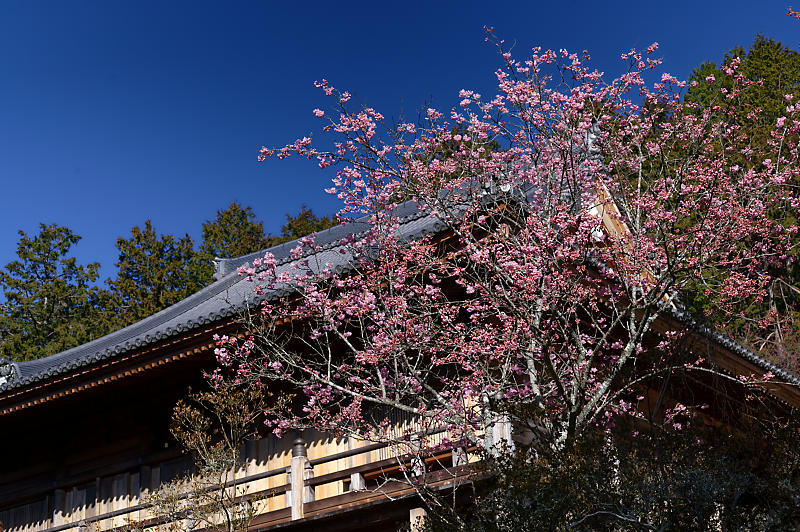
(231, 293)
(222, 299)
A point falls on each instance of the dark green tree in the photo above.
(753, 102)
(304, 223)
(154, 273)
(51, 302)
(233, 233)
(236, 231)
(770, 71)
(694, 479)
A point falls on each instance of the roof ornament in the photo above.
(7, 371)
(221, 267)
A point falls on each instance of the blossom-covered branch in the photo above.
(566, 216)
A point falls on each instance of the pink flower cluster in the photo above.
(572, 211)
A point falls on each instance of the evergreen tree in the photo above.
(154, 273)
(51, 303)
(768, 71)
(236, 231)
(305, 223)
(233, 233)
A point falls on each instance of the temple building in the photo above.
(85, 433)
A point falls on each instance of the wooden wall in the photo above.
(128, 488)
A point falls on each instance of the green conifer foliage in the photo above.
(51, 303)
(304, 223)
(769, 71)
(154, 273)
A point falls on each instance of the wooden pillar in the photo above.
(501, 433)
(417, 462)
(299, 471)
(308, 491)
(357, 482)
(417, 518)
(498, 434)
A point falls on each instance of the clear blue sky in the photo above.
(113, 112)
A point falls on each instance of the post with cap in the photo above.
(299, 471)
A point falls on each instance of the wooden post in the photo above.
(308, 474)
(289, 491)
(459, 456)
(498, 430)
(58, 507)
(357, 482)
(299, 471)
(417, 463)
(417, 518)
(501, 433)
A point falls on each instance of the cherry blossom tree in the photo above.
(570, 213)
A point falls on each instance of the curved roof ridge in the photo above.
(325, 238)
(230, 292)
(216, 301)
(123, 339)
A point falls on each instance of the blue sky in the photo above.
(113, 112)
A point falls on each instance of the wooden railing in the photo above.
(299, 487)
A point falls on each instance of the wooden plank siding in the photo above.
(96, 443)
(121, 495)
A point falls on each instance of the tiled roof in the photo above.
(230, 293)
(781, 375)
(218, 301)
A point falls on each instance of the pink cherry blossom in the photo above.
(537, 258)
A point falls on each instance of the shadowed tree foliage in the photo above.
(51, 303)
(154, 273)
(213, 426)
(690, 480)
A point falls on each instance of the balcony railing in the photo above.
(374, 471)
